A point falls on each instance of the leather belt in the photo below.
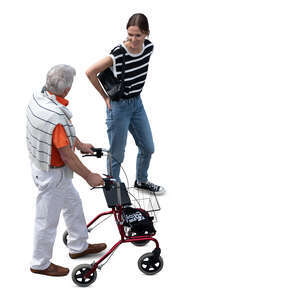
(54, 167)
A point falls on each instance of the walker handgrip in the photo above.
(98, 151)
(108, 182)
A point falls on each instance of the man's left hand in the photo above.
(85, 148)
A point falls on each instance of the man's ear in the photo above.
(66, 92)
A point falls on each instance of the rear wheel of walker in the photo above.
(65, 237)
(139, 243)
(149, 264)
(79, 278)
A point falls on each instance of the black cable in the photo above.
(135, 199)
(95, 149)
(122, 170)
(108, 258)
(92, 228)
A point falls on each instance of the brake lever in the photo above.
(97, 187)
(98, 153)
(89, 155)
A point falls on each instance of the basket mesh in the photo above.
(144, 200)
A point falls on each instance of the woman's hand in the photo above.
(95, 69)
(107, 101)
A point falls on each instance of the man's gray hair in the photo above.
(59, 78)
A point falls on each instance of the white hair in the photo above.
(59, 78)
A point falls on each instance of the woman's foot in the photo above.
(149, 186)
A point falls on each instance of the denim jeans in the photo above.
(129, 115)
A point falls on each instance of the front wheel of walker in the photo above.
(150, 264)
(78, 275)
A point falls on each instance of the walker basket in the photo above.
(144, 200)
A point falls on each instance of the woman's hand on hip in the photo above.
(107, 101)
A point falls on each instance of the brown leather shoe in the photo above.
(52, 270)
(92, 248)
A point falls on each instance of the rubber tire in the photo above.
(86, 267)
(138, 244)
(148, 256)
(65, 235)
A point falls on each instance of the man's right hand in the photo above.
(94, 180)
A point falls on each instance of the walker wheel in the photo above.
(150, 264)
(65, 239)
(78, 275)
(140, 243)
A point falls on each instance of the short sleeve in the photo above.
(113, 58)
(114, 53)
(59, 137)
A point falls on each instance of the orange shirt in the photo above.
(59, 139)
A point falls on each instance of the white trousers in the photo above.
(56, 194)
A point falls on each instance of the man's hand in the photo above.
(86, 148)
(94, 179)
(82, 147)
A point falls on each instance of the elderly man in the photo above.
(51, 140)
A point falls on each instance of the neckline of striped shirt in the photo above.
(131, 54)
(134, 60)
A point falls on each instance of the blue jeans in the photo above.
(129, 115)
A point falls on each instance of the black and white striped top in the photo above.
(136, 67)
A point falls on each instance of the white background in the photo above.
(222, 97)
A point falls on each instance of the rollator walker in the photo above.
(135, 226)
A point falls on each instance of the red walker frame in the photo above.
(117, 212)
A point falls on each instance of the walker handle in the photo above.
(108, 182)
(98, 152)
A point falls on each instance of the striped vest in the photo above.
(44, 112)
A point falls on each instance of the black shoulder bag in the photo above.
(112, 85)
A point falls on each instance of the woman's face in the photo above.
(135, 37)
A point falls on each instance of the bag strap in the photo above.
(123, 71)
(123, 66)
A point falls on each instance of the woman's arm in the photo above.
(95, 69)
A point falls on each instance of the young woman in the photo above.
(128, 114)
